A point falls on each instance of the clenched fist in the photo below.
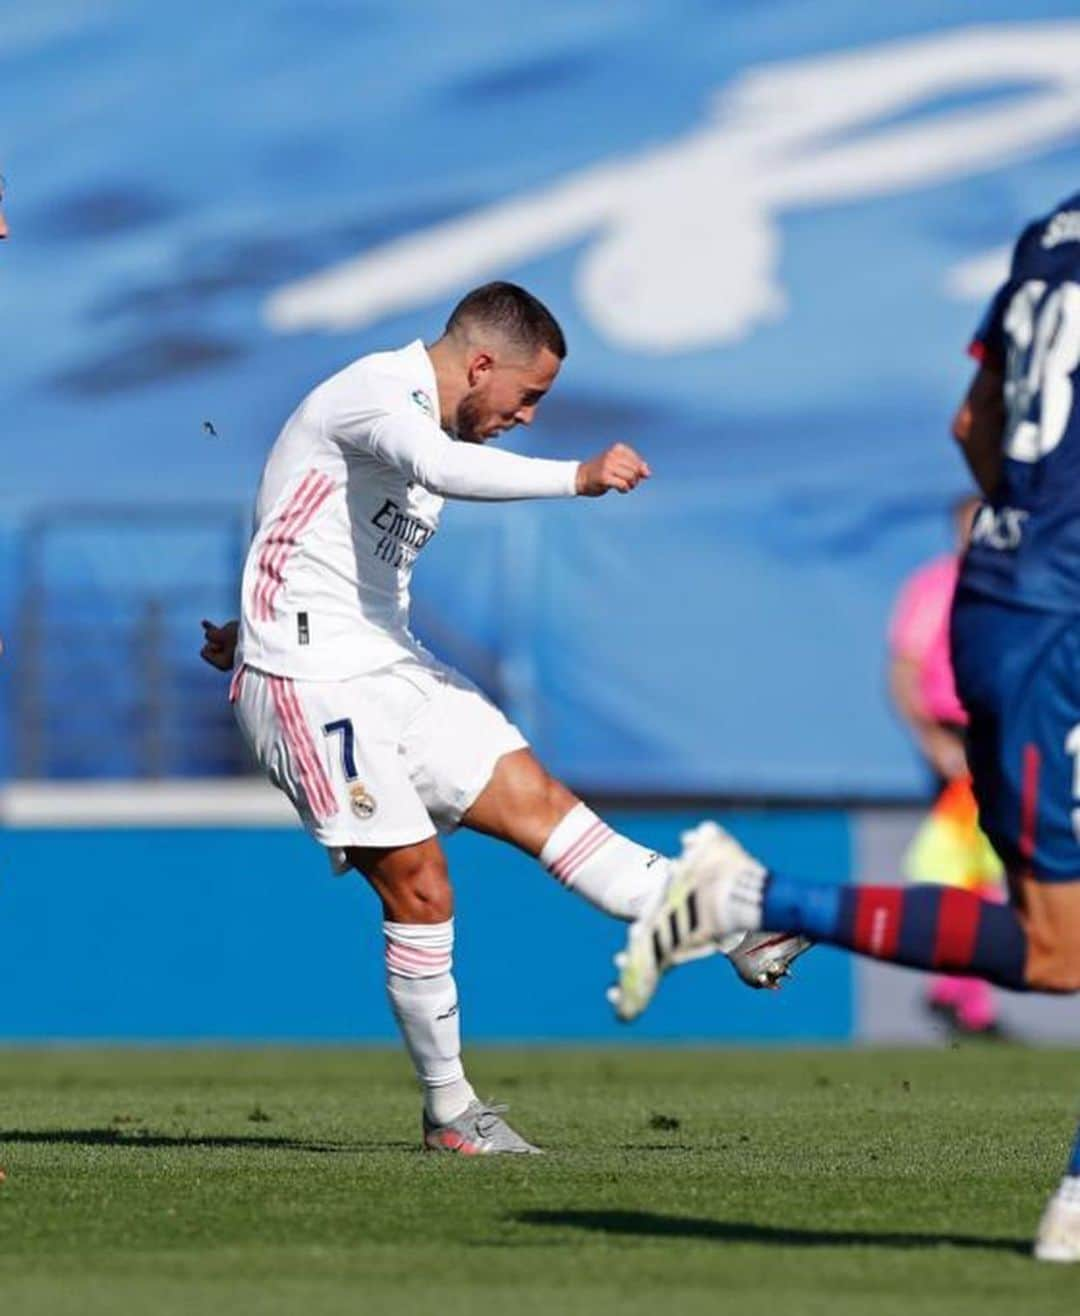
(220, 647)
(619, 468)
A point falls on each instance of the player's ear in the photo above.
(480, 366)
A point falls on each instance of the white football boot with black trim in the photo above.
(713, 872)
(1058, 1238)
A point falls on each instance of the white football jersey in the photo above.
(351, 493)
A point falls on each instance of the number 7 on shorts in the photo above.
(344, 727)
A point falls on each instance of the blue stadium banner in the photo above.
(767, 231)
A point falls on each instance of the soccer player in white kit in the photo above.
(379, 746)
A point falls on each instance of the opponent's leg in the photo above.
(523, 804)
(940, 928)
(716, 888)
(414, 887)
(1031, 944)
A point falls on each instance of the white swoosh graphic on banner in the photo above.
(686, 245)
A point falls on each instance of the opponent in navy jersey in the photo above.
(1025, 545)
(1016, 620)
(1016, 658)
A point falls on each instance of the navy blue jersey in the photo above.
(1025, 546)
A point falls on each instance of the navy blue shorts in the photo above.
(1018, 676)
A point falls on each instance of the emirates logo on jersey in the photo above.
(403, 535)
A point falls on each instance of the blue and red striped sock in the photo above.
(924, 927)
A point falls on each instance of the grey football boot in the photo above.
(763, 959)
(479, 1130)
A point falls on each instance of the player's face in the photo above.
(504, 392)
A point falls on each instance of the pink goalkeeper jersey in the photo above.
(920, 630)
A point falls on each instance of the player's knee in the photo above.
(417, 891)
(525, 799)
(558, 799)
(426, 895)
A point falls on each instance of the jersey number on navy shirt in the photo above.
(1042, 329)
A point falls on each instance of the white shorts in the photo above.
(384, 759)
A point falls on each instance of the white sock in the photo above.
(610, 871)
(423, 996)
(1069, 1191)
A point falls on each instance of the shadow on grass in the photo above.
(647, 1224)
(109, 1137)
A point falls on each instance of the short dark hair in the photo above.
(513, 312)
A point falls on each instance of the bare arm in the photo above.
(979, 425)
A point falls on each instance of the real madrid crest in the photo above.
(361, 801)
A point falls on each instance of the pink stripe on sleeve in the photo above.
(263, 579)
(305, 514)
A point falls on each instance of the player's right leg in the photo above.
(413, 885)
(332, 747)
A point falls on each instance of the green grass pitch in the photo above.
(677, 1181)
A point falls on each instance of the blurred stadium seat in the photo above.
(108, 682)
